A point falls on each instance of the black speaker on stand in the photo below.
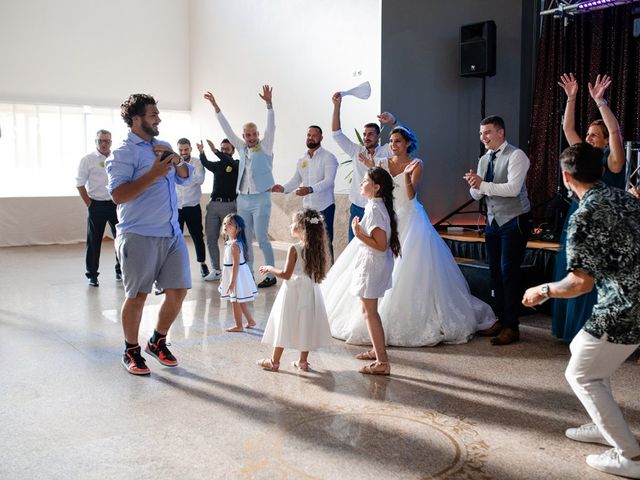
(477, 59)
(478, 49)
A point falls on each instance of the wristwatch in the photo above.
(544, 290)
(310, 189)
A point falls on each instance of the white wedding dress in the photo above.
(430, 301)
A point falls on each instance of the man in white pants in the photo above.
(603, 246)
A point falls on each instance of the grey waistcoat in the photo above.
(503, 209)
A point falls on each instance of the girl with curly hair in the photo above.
(298, 317)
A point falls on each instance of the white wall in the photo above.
(92, 52)
(306, 50)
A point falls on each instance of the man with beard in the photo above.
(314, 180)
(189, 210)
(371, 147)
(142, 176)
(92, 186)
(255, 178)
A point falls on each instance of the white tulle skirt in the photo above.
(298, 318)
(429, 303)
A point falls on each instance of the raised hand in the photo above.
(367, 159)
(212, 146)
(408, 170)
(386, 117)
(200, 146)
(569, 84)
(212, 100)
(597, 89)
(267, 94)
(336, 98)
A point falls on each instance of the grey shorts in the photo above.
(145, 260)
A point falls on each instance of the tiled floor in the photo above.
(68, 410)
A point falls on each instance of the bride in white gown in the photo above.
(430, 302)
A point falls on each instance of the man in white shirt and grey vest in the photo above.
(255, 178)
(92, 187)
(314, 180)
(501, 180)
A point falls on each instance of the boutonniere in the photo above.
(228, 169)
(304, 164)
(102, 164)
(256, 148)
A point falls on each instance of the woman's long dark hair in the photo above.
(315, 243)
(241, 238)
(382, 178)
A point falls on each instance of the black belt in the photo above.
(222, 199)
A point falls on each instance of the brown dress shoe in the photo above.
(493, 331)
(507, 336)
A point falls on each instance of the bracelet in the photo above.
(601, 102)
(569, 100)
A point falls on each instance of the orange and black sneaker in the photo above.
(161, 352)
(133, 361)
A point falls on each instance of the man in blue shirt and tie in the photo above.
(142, 176)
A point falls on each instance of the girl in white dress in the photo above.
(237, 284)
(298, 317)
(430, 302)
(376, 236)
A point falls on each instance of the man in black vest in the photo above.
(501, 177)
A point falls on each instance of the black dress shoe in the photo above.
(267, 282)
(204, 270)
(493, 331)
(93, 281)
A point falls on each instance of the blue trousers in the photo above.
(355, 211)
(255, 210)
(506, 246)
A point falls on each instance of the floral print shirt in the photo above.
(603, 239)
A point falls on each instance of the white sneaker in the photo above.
(588, 433)
(612, 462)
(214, 275)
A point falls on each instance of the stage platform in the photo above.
(469, 250)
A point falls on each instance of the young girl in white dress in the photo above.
(298, 317)
(237, 284)
(377, 239)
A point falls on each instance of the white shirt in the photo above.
(359, 169)
(189, 195)
(319, 173)
(93, 176)
(516, 175)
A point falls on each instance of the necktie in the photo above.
(490, 168)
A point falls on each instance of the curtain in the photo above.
(593, 42)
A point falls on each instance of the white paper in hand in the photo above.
(362, 91)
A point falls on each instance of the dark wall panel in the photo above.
(421, 84)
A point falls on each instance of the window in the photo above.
(41, 145)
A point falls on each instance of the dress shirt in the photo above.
(153, 213)
(319, 173)
(516, 176)
(93, 176)
(246, 183)
(190, 195)
(353, 150)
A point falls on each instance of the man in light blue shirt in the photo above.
(142, 175)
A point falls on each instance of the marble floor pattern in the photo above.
(68, 410)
